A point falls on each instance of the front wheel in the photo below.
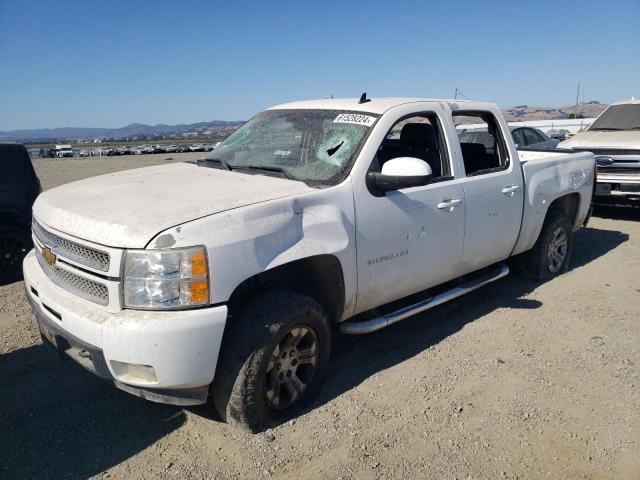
(273, 359)
(551, 254)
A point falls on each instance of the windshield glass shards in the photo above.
(309, 145)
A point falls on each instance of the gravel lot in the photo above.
(517, 380)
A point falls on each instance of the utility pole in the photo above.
(577, 100)
(455, 96)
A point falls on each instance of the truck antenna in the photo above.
(363, 98)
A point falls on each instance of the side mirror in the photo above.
(399, 173)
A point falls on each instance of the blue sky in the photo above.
(97, 63)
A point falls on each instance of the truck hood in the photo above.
(127, 209)
(603, 139)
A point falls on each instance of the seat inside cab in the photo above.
(415, 137)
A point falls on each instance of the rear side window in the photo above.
(483, 146)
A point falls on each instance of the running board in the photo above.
(382, 321)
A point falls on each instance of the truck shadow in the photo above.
(7, 279)
(59, 421)
(621, 212)
(356, 358)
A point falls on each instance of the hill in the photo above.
(134, 131)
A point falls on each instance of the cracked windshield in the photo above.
(313, 146)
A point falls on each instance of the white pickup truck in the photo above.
(222, 279)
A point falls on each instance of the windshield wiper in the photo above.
(219, 161)
(269, 168)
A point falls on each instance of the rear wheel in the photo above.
(15, 243)
(551, 254)
(273, 359)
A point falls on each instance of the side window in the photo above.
(419, 136)
(531, 136)
(518, 137)
(486, 151)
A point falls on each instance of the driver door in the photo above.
(410, 239)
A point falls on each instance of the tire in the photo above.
(15, 243)
(551, 254)
(257, 373)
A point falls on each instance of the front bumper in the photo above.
(167, 357)
(613, 187)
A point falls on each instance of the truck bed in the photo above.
(551, 174)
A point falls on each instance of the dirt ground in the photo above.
(517, 380)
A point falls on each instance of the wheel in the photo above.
(15, 243)
(273, 359)
(551, 254)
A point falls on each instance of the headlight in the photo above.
(166, 279)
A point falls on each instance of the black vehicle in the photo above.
(19, 187)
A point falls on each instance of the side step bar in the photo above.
(382, 321)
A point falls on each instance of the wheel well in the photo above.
(568, 204)
(319, 277)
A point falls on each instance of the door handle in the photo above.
(510, 190)
(449, 203)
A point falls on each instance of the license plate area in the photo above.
(603, 189)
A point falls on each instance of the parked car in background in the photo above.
(560, 134)
(196, 148)
(530, 137)
(184, 148)
(222, 279)
(85, 152)
(64, 151)
(107, 152)
(614, 139)
(524, 137)
(19, 187)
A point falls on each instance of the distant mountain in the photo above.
(134, 130)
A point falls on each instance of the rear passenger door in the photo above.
(494, 189)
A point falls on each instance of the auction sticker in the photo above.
(355, 118)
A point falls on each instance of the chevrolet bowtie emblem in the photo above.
(48, 255)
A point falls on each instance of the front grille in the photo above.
(86, 256)
(81, 286)
(627, 172)
(609, 151)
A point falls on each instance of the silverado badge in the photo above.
(48, 255)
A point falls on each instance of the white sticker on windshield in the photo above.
(355, 118)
